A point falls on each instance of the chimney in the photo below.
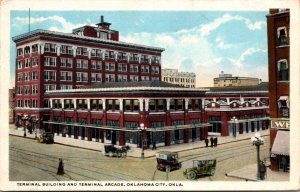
(102, 19)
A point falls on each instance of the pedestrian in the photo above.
(60, 169)
(216, 141)
(211, 142)
(154, 145)
(206, 142)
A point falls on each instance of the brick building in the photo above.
(48, 60)
(278, 23)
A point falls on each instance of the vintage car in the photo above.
(167, 161)
(201, 167)
(112, 151)
(46, 137)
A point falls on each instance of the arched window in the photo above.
(282, 35)
(283, 70)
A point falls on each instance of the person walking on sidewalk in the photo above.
(211, 142)
(60, 169)
(154, 145)
(206, 142)
(216, 141)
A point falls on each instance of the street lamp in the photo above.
(257, 140)
(235, 120)
(142, 128)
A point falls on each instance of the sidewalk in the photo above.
(249, 172)
(135, 152)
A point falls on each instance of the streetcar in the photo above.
(167, 161)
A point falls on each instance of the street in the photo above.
(33, 161)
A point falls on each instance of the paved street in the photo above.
(32, 161)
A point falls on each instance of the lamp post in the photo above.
(257, 140)
(142, 128)
(235, 120)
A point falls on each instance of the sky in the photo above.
(203, 42)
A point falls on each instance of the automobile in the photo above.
(112, 151)
(46, 137)
(167, 161)
(201, 167)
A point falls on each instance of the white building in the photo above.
(183, 79)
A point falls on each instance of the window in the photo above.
(96, 104)
(282, 35)
(19, 90)
(122, 78)
(145, 78)
(283, 106)
(145, 69)
(117, 105)
(180, 104)
(122, 67)
(109, 66)
(34, 75)
(66, 75)
(19, 52)
(19, 103)
(34, 103)
(26, 103)
(64, 87)
(82, 104)
(49, 47)
(97, 65)
(66, 50)
(134, 78)
(172, 105)
(96, 53)
(46, 103)
(34, 62)
(96, 77)
(34, 89)
(110, 104)
(69, 104)
(27, 63)
(66, 62)
(144, 59)
(134, 68)
(155, 60)
(34, 48)
(81, 77)
(283, 70)
(50, 61)
(152, 105)
(19, 64)
(27, 76)
(154, 70)
(50, 75)
(27, 50)
(109, 77)
(19, 77)
(121, 56)
(81, 64)
(161, 105)
(135, 105)
(127, 105)
(134, 57)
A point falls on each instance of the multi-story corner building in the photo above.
(278, 21)
(48, 60)
(227, 80)
(183, 79)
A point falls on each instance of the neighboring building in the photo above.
(48, 60)
(183, 79)
(278, 21)
(11, 101)
(227, 80)
(237, 110)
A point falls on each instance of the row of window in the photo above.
(97, 53)
(28, 103)
(26, 90)
(83, 64)
(128, 105)
(177, 80)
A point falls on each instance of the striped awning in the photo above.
(281, 145)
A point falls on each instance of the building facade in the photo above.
(227, 80)
(278, 55)
(48, 60)
(183, 79)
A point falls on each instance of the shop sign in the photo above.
(280, 123)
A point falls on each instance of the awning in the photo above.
(281, 145)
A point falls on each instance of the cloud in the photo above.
(221, 44)
(205, 29)
(240, 62)
(61, 25)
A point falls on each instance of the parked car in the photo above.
(112, 151)
(46, 137)
(201, 167)
(167, 161)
